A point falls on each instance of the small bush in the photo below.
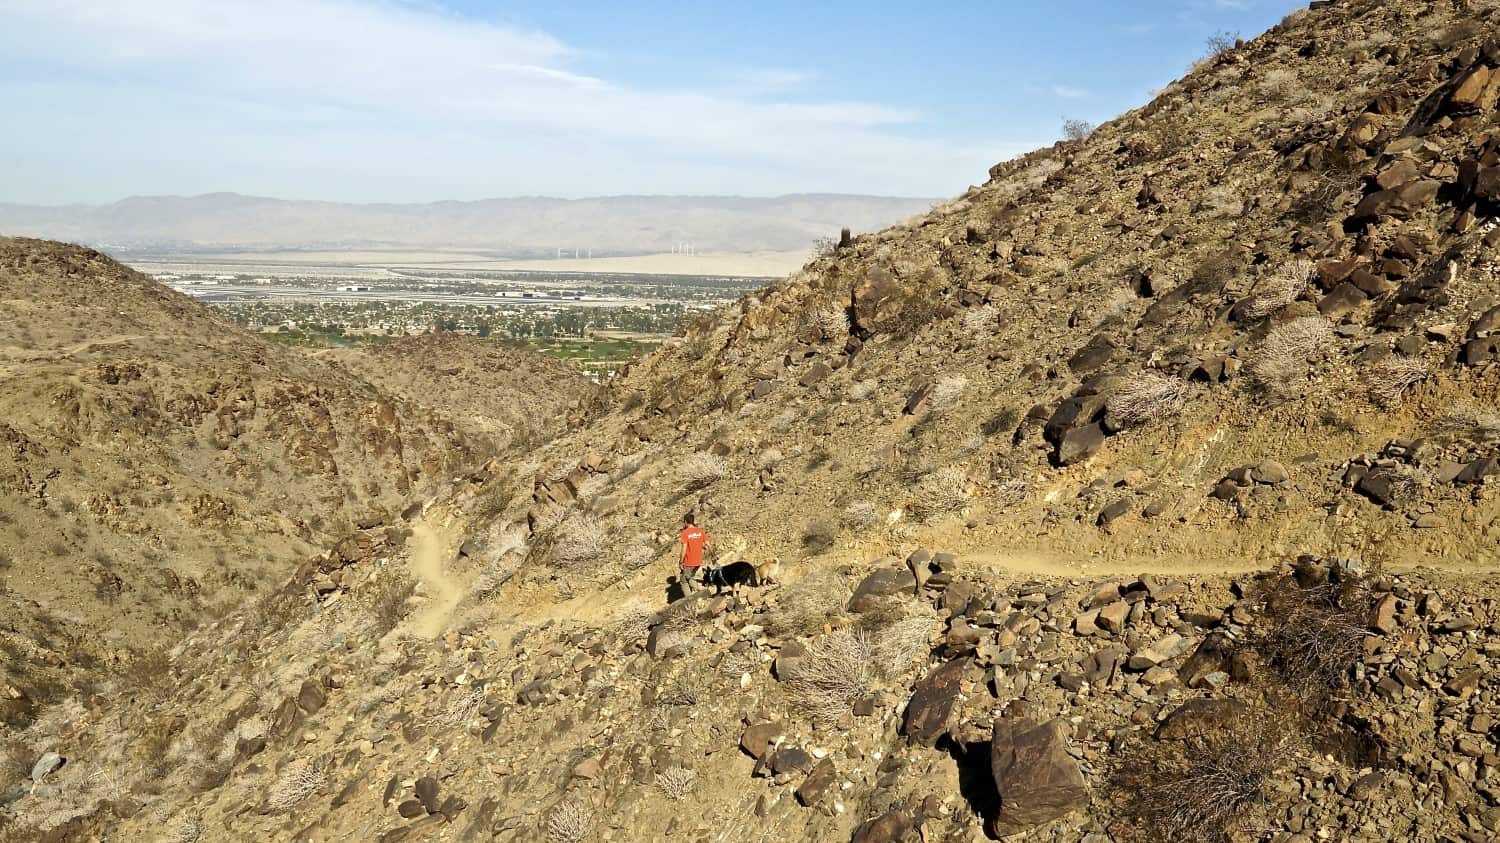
(805, 605)
(940, 494)
(388, 598)
(676, 783)
(769, 458)
(1209, 788)
(830, 321)
(701, 470)
(1312, 636)
(1389, 379)
(904, 644)
(1471, 421)
(1147, 397)
(298, 781)
(947, 392)
(860, 516)
(570, 821)
(1280, 289)
(835, 672)
(982, 320)
(1077, 130)
(1282, 365)
(578, 540)
(1221, 42)
(819, 534)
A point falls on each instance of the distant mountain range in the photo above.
(517, 227)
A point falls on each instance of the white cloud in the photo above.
(1069, 93)
(370, 77)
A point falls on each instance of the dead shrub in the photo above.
(1077, 130)
(578, 540)
(940, 494)
(860, 516)
(701, 470)
(829, 320)
(298, 781)
(387, 598)
(1280, 289)
(1207, 788)
(1284, 361)
(905, 644)
(570, 821)
(834, 673)
(1313, 635)
(819, 534)
(676, 783)
(1470, 421)
(1147, 397)
(1389, 379)
(806, 605)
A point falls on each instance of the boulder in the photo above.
(932, 704)
(1037, 779)
(823, 778)
(1383, 617)
(1080, 444)
(890, 827)
(879, 584)
(49, 763)
(1199, 717)
(758, 738)
(1469, 92)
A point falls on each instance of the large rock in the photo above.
(1080, 444)
(1038, 780)
(1199, 717)
(891, 827)
(879, 584)
(823, 778)
(933, 701)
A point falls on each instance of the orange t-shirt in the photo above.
(693, 539)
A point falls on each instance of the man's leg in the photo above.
(685, 579)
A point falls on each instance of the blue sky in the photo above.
(418, 100)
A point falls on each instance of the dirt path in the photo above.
(433, 543)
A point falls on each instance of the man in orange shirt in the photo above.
(693, 539)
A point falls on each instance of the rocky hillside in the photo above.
(476, 384)
(1202, 411)
(160, 465)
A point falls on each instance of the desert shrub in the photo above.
(769, 458)
(822, 247)
(819, 534)
(1389, 379)
(905, 644)
(1280, 289)
(947, 392)
(185, 829)
(633, 623)
(1206, 788)
(1077, 130)
(807, 604)
(1471, 421)
(1282, 364)
(1221, 42)
(676, 783)
(701, 470)
(388, 596)
(578, 540)
(1458, 33)
(834, 673)
(860, 516)
(981, 320)
(494, 575)
(297, 781)
(1147, 397)
(1312, 636)
(940, 494)
(830, 320)
(570, 821)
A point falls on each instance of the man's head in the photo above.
(690, 520)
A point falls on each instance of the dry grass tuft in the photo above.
(1147, 397)
(1312, 636)
(1284, 361)
(1389, 379)
(1470, 421)
(904, 645)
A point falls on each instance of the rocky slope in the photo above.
(161, 465)
(1204, 409)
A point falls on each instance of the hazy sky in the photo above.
(408, 100)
